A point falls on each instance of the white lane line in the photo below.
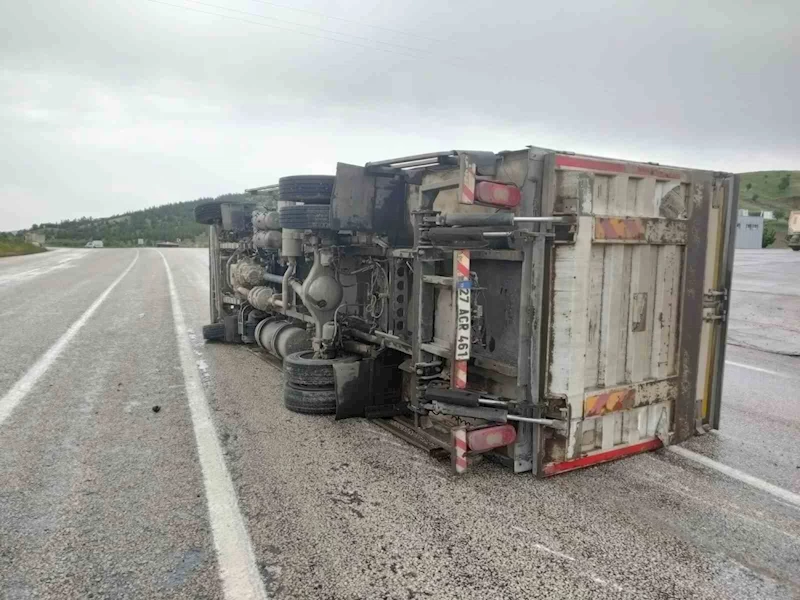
(759, 369)
(237, 563)
(773, 490)
(24, 385)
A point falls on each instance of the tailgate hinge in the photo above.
(717, 301)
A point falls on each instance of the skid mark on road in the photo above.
(237, 564)
(773, 490)
(62, 262)
(586, 574)
(544, 548)
(24, 385)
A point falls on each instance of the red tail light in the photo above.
(497, 194)
(497, 436)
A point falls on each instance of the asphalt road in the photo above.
(103, 497)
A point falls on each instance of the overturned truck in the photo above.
(544, 309)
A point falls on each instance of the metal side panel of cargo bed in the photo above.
(635, 324)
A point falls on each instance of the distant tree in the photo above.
(755, 197)
(767, 236)
(783, 184)
(749, 185)
(779, 214)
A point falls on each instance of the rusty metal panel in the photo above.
(600, 402)
(596, 274)
(619, 229)
(617, 293)
(691, 323)
(632, 230)
(611, 401)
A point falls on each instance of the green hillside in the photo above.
(166, 223)
(770, 190)
(778, 191)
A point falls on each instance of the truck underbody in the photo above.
(545, 310)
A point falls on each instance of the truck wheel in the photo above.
(306, 216)
(214, 332)
(302, 369)
(309, 400)
(796, 248)
(310, 189)
(208, 213)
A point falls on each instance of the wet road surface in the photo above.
(104, 497)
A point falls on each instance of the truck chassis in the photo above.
(429, 293)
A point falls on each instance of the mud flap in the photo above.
(231, 323)
(353, 383)
(369, 388)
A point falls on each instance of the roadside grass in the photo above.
(18, 247)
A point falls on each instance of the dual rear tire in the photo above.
(310, 386)
(308, 189)
(314, 192)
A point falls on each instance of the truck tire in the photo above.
(309, 400)
(795, 248)
(306, 216)
(309, 189)
(302, 369)
(214, 332)
(208, 213)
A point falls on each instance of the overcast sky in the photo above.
(113, 105)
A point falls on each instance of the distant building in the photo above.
(749, 231)
(767, 215)
(35, 238)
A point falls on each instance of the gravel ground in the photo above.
(103, 498)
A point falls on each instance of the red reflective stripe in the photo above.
(600, 457)
(590, 164)
(459, 438)
(463, 263)
(468, 193)
(461, 374)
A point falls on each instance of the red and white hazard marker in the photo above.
(459, 438)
